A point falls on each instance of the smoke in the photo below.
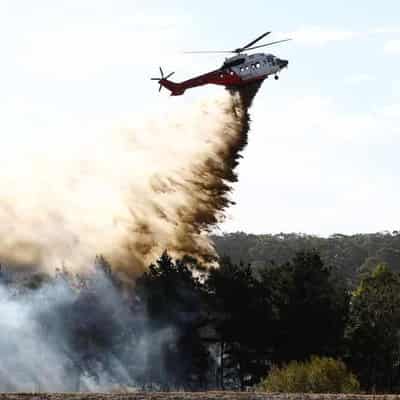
(128, 194)
(66, 337)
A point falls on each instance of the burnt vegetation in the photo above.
(272, 301)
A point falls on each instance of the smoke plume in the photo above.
(128, 195)
(63, 338)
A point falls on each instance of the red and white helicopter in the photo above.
(236, 71)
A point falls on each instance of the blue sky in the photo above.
(323, 150)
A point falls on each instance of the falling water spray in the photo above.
(128, 195)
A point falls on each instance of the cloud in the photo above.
(391, 111)
(359, 78)
(392, 46)
(387, 29)
(80, 50)
(318, 36)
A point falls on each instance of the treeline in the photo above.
(184, 327)
(236, 322)
(349, 256)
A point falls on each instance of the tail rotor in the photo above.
(163, 77)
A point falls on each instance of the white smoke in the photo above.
(48, 337)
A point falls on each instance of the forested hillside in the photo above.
(346, 255)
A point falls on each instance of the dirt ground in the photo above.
(189, 396)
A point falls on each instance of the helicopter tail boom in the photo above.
(176, 89)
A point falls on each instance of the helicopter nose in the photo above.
(283, 63)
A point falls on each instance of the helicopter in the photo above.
(236, 71)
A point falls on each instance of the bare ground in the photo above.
(190, 396)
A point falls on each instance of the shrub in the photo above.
(319, 375)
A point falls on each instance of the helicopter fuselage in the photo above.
(235, 71)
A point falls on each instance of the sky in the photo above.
(323, 150)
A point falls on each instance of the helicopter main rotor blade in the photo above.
(249, 46)
(208, 52)
(268, 44)
(161, 72)
(240, 49)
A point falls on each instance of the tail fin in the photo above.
(176, 89)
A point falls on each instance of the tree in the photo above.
(241, 315)
(374, 328)
(172, 298)
(312, 309)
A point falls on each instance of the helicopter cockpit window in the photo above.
(233, 63)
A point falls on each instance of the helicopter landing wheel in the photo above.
(276, 77)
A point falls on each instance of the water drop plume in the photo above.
(129, 194)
